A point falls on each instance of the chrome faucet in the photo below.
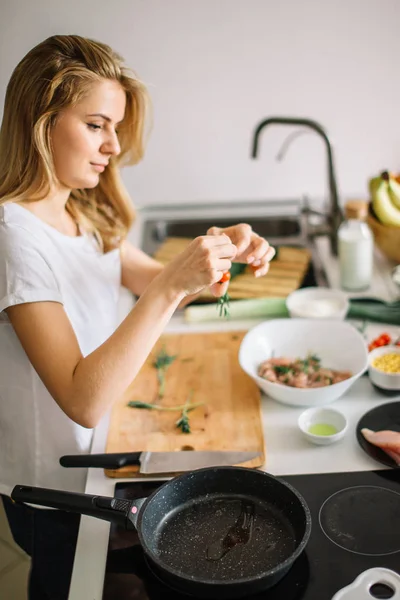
(336, 216)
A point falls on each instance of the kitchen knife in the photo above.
(159, 462)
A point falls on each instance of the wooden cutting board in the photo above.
(206, 363)
(285, 275)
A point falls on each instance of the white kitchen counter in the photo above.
(287, 452)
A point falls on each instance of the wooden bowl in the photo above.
(387, 237)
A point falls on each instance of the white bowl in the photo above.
(387, 381)
(325, 416)
(317, 303)
(338, 344)
(396, 275)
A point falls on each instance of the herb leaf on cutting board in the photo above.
(183, 421)
(149, 406)
(162, 362)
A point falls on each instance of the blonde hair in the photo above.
(56, 74)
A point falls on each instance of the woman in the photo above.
(73, 114)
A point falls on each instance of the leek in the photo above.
(367, 309)
(254, 308)
(372, 309)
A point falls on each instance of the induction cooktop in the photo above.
(355, 526)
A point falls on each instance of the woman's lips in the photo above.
(98, 168)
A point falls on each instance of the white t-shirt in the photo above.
(38, 263)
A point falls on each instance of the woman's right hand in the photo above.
(201, 264)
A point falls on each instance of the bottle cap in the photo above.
(356, 209)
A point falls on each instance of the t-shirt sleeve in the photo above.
(25, 274)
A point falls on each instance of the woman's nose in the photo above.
(112, 145)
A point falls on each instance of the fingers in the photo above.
(242, 237)
(261, 270)
(221, 266)
(219, 289)
(214, 231)
(210, 257)
(225, 251)
(259, 249)
(239, 234)
(260, 256)
(220, 246)
(260, 252)
(251, 248)
(264, 252)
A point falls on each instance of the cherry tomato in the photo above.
(225, 277)
(383, 340)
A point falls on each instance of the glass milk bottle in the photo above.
(355, 248)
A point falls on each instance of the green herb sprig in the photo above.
(183, 421)
(162, 362)
(148, 405)
(223, 306)
(281, 369)
(314, 358)
(306, 363)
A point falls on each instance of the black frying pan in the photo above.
(225, 532)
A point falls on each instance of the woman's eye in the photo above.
(93, 126)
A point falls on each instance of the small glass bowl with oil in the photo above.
(322, 426)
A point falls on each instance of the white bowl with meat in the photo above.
(304, 362)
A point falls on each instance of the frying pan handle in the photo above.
(134, 511)
(115, 510)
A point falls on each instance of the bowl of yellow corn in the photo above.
(384, 367)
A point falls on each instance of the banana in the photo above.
(394, 192)
(383, 206)
(374, 183)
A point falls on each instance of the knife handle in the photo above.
(112, 460)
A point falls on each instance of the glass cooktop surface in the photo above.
(355, 526)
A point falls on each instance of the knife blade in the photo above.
(160, 462)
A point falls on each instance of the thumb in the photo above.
(219, 289)
(244, 243)
(214, 231)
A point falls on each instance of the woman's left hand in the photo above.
(252, 249)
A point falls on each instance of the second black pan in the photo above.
(225, 532)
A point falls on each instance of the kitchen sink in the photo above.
(287, 230)
(276, 230)
(271, 228)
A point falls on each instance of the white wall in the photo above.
(215, 68)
